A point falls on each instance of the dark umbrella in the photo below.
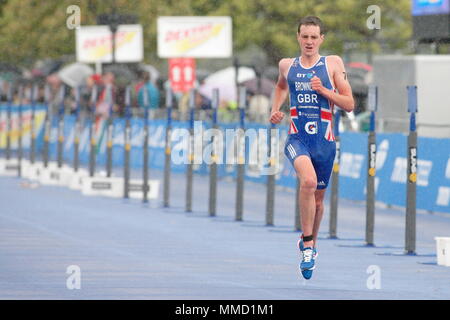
(357, 76)
(201, 74)
(267, 86)
(44, 68)
(123, 74)
(6, 67)
(9, 72)
(358, 83)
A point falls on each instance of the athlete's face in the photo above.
(309, 39)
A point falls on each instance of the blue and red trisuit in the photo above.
(311, 129)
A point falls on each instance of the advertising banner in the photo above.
(194, 37)
(94, 44)
(39, 118)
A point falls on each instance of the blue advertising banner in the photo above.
(433, 178)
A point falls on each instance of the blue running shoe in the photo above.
(307, 274)
(302, 247)
(300, 244)
(308, 260)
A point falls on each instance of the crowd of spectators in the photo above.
(110, 97)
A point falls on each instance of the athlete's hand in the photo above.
(276, 117)
(316, 84)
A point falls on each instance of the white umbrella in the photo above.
(224, 80)
(75, 74)
(154, 73)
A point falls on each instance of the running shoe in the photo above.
(309, 256)
(301, 246)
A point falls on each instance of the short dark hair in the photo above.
(311, 21)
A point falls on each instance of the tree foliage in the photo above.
(34, 29)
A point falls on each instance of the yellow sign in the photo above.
(104, 47)
(186, 44)
(94, 44)
(194, 37)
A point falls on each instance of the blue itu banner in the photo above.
(428, 7)
(433, 178)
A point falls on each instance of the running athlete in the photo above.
(315, 84)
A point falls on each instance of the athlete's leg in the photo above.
(323, 167)
(319, 195)
(308, 184)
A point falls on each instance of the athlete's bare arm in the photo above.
(344, 97)
(281, 91)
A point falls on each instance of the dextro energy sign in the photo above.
(194, 37)
(94, 44)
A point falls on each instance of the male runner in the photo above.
(312, 81)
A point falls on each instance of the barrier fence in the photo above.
(433, 165)
(367, 167)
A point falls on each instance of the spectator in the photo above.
(152, 92)
(104, 102)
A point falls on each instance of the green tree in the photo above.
(32, 29)
(272, 25)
